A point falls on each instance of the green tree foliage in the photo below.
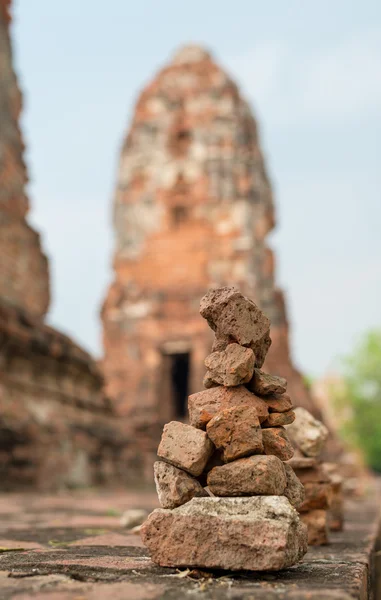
(359, 398)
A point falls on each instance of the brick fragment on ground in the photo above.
(237, 431)
(265, 384)
(307, 433)
(317, 526)
(204, 405)
(279, 419)
(133, 517)
(258, 533)
(278, 403)
(235, 318)
(232, 366)
(185, 447)
(276, 442)
(294, 488)
(255, 475)
(174, 486)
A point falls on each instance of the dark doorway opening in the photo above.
(179, 375)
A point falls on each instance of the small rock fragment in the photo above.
(237, 431)
(317, 526)
(276, 442)
(279, 419)
(174, 486)
(204, 405)
(294, 489)
(256, 475)
(231, 367)
(235, 318)
(254, 534)
(279, 403)
(264, 384)
(133, 517)
(307, 433)
(185, 447)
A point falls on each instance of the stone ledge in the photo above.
(71, 546)
(26, 332)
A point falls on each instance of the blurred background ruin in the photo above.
(150, 151)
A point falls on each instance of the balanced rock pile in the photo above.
(228, 497)
(308, 436)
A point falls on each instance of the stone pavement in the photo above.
(72, 547)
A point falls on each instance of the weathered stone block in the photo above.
(235, 318)
(294, 488)
(307, 433)
(276, 442)
(264, 384)
(174, 486)
(237, 431)
(279, 419)
(204, 405)
(253, 534)
(185, 447)
(317, 526)
(232, 366)
(318, 496)
(279, 403)
(255, 475)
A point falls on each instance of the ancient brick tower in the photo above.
(192, 209)
(56, 426)
(24, 278)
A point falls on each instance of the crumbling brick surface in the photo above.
(56, 426)
(24, 277)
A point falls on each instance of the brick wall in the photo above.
(57, 429)
(24, 277)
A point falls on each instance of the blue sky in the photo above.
(312, 71)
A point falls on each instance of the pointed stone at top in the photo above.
(190, 53)
(235, 318)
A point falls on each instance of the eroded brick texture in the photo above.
(192, 209)
(24, 277)
(56, 427)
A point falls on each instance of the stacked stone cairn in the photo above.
(228, 497)
(322, 506)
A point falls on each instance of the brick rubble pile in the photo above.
(322, 508)
(229, 499)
